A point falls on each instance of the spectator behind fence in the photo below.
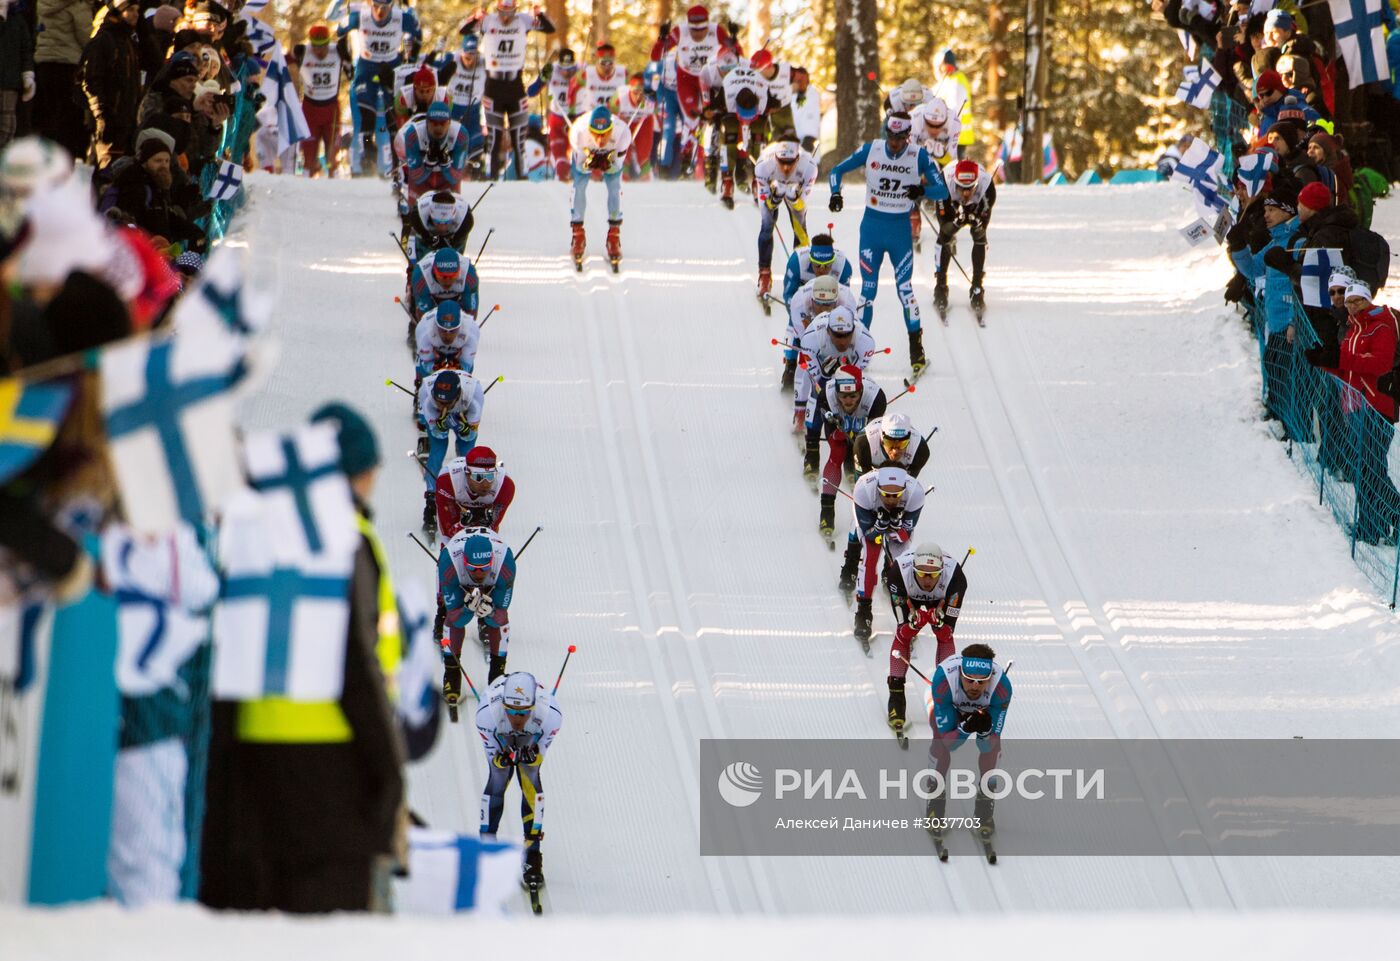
(64, 29)
(111, 79)
(1274, 288)
(1365, 355)
(16, 67)
(141, 193)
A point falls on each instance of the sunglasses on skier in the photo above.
(520, 711)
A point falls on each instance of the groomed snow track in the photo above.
(1096, 444)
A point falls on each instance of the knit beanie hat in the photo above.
(1315, 196)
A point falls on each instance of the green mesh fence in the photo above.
(234, 146)
(1340, 442)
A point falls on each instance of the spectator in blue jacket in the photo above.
(1273, 290)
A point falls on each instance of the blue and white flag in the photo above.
(1199, 163)
(286, 548)
(277, 88)
(226, 183)
(1199, 86)
(449, 873)
(1254, 169)
(168, 406)
(225, 300)
(1318, 264)
(1256, 7)
(164, 587)
(1361, 40)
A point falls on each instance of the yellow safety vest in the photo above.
(275, 719)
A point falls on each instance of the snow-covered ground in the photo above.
(1145, 551)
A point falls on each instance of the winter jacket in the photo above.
(150, 207)
(1272, 288)
(1368, 352)
(64, 29)
(16, 51)
(111, 77)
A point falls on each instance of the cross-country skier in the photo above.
(325, 68)
(820, 258)
(383, 40)
(969, 697)
(927, 593)
(779, 77)
(897, 176)
(783, 178)
(817, 296)
(742, 103)
(891, 441)
(599, 145)
(445, 339)
(600, 83)
(449, 405)
(476, 579)
(636, 108)
(560, 75)
(417, 95)
(848, 402)
(443, 275)
(695, 44)
(504, 37)
(439, 220)
(973, 196)
(473, 491)
(887, 503)
(518, 722)
(434, 153)
(936, 130)
(463, 77)
(832, 340)
(907, 97)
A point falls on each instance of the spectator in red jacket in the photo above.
(1367, 353)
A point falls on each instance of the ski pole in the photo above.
(934, 227)
(567, 654)
(782, 343)
(493, 383)
(421, 466)
(393, 383)
(483, 244)
(414, 537)
(769, 296)
(970, 552)
(402, 249)
(527, 543)
(472, 208)
(908, 389)
(399, 301)
(493, 309)
(778, 230)
(912, 667)
(453, 661)
(838, 489)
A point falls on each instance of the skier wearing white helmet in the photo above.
(783, 177)
(518, 721)
(887, 504)
(817, 296)
(848, 402)
(832, 340)
(891, 442)
(928, 591)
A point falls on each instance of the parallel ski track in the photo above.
(985, 404)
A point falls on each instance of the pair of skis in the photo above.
(614, 262)
(978, 304)
(986, 842)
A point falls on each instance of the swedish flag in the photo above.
(29, 418)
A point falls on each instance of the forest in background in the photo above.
(1113, 69)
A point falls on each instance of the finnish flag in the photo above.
(168, 406)
(277, 88)
(287, 548)
(226, 301)
(226, 183)
(1255, 168)
(164, 588)
(1199, 86)
(1318, 265)
(1361, 39)
(450, 873)
(1199, 162)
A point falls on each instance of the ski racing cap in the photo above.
(518, 695)
(897, 125)
(891, 480)
(566, 57)
(746, 104)
(976, 668)
(437, 110)
(442, 208)
(319, 35)
(848, 380)
(787, 151)
(697, 17)
(476, 551)
(600, 122)
(424, 77)
(965, 174)
(841, 322)
(823, 253)
(928, 558)
(447, 264)
(481, 463)
(505, 5)
(447, 388)
(449, 315)
(897, 427)
(935, 113)
(471, 43)
(761, 60)
(825, 290)
(911, 92)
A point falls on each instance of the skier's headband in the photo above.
(822, 254)
(898, 126)
(976, 668)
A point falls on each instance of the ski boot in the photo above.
(983, 809)
(765, 284)
(847, 581)
(497, 668)
(429, 514)
(940, 297)
(935, 814)
(789, 373)
(864, 619)
(533, 874)
(809, 462)
(896, 709)
(614, 243)
(452, 684)
(726, 192)
(917, 360)
(576, 244)
(369, 156)
(976, 295)
(827, 521)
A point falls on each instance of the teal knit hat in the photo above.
(359, 451)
